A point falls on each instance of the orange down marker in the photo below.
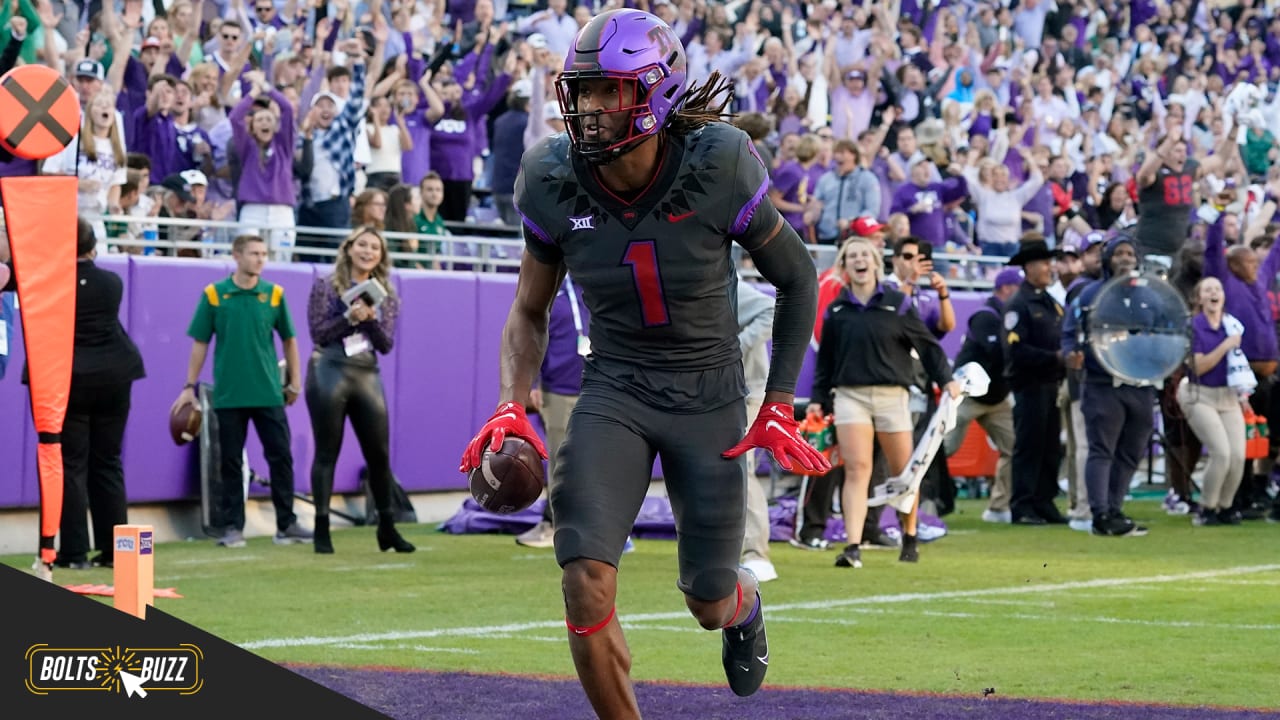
(134, 569)
(39, 116)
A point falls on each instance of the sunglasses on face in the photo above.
(266, 9)
(231, 38)
(907, 256)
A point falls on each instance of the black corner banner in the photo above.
(63, 655)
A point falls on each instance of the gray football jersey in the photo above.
(655, 270)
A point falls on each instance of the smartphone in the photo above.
(925, 251)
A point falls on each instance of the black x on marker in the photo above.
(38, 112)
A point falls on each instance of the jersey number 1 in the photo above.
(642, 256)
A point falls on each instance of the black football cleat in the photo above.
(909, 553)
(746, 655)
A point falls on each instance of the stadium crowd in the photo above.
(1052, 132)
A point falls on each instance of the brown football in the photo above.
(184, 424)
(509, 480)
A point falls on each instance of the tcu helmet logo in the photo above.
(661, 37)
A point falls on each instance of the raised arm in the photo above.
(1215, 259)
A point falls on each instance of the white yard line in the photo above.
(380, 647)
(1025, 603)
(363, 568)
(1014, 590)
(1022, 616)
(231, 556)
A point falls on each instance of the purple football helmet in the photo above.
(643, 55)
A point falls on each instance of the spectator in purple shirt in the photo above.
(152, 132)
(793, 185)
(453, 137)
(1213, 409)
(194, 146)
(925, 202)
(420, 111)
(1246, 292)
(263, 134)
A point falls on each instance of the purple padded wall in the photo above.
(493, 301)
(18, 485)
(435, 407)
(441, 378)
(163, 293)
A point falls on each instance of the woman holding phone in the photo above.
(343, 379)
(862, 375)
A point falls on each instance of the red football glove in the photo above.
(508, 420)
(775, 430)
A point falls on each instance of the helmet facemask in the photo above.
(602, 135)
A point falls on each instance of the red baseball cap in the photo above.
(866, 226)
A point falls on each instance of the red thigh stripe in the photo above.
(589, 631)
(737, 609)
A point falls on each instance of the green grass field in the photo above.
(1183, 616)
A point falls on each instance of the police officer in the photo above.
(1034, 367)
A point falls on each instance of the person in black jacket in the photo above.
(105, 362)
(993, 411)
(1034, 367)
(862, 375)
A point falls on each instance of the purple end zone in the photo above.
(410, 695)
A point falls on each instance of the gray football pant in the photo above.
(997, 421)
(555, 421)
(755, 541)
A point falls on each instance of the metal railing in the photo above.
(475, 247)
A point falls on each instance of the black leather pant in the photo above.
(338, 388)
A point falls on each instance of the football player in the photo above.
(641, 200)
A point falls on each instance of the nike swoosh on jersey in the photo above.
(672, 217)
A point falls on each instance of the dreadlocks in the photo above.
(700, 106)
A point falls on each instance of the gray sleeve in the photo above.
(868, 194)
(784, 262)
(755, 316)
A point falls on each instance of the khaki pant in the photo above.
(997, 421)
(1215, 416)
(1077, 455)
(755, 542)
